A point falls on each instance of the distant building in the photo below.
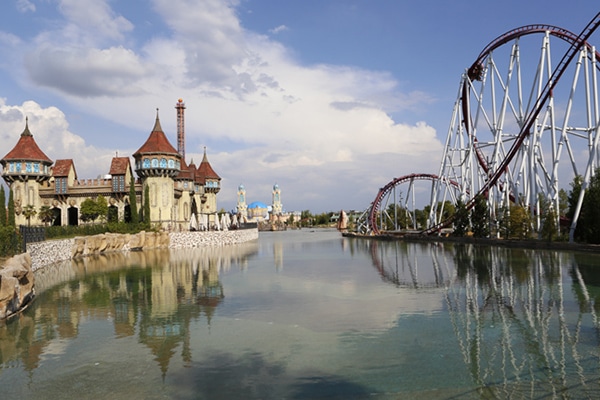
(259, 212)
(176, 190)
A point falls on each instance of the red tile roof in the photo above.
(62, 167)
(186, 172)
(119, 166)
(157, 142)
(205, 170)
(26, 149)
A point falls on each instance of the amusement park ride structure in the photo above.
(525, 123)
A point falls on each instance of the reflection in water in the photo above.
(307, 314)
(518, 332)
(154, 292)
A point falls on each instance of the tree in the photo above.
(306, 218)
(421, 218)
(3, 220)
(102, 207)
(396, 218)
(588, 223)
(134, 217)
(446, 210)
(89, 210)
(10, 221)
(549, 228)
(480, 219)
(503, 217)
(29, 212)
(46, 214)
(147, 205)
(563, 202)
(519, 222)
(113, 214)
(461, 219)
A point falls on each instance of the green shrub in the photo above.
(64, 232)
(10, 241)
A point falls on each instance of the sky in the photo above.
(328, 99)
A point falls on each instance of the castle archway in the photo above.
(73, 216)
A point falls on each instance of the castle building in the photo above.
(177, 192)
(258, 211)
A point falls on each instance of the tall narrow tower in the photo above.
(180, 107)
(276, 207)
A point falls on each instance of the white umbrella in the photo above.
(193, 223)
(217, 226)
(224, 221)
(234, 221)
(203, 222)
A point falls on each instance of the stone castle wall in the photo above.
(17, 274)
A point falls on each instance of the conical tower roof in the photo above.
(205, 170)
(26, 149)
(157, 142)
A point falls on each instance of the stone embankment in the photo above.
(16, 285)
(17, 275)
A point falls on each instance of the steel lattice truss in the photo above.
(526, 121)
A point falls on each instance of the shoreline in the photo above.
(513, 243)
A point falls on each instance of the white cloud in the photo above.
(50, 130)
(24, 6)
(88, 21)
(211, 36)
(278, 29)
(322, 132)
(87, 72)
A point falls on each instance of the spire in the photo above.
(205, 169)
(157, 127)
(26, 131)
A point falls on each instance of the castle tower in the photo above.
(180, 107)
(277, 207)
(206, 176)
(242, 207)
(24, 168)
(157, 163)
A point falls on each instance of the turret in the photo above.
(157, 163)
(24, 168)
(26, 161)
(212, 181)
(157, 157)
(276, 207)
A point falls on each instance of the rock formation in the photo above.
(16, 285)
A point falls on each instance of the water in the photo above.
(310, 315)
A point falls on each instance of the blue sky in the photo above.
(331, 100)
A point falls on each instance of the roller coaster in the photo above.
(525, 123)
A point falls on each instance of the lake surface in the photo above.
(310, 315)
